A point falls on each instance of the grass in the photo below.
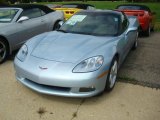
(157, 26)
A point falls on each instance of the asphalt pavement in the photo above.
(142, 66)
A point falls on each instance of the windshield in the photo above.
(69, 6)
(92, 23)
(7, 15)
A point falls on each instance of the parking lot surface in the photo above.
(125, 102)
(143, 64)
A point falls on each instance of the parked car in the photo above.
(20, 22)
(82, 58)
(72, 8)
(145, 16)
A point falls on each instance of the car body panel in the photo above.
(68, 12)
(59, 53)
(146, 17)
(63, 47)
(16, 33)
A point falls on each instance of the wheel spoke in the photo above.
(2, 49)
(113, 74)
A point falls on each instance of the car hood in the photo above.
(67, 47)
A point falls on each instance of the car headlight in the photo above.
(22, 54)
(89, 65)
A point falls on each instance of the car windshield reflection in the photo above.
(93, 24)
(7, 15)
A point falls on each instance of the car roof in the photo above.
(30, 6)
(80, 5)
(3, 5)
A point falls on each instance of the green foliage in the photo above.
(2, 1)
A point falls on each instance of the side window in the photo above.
(42, 12)
(124, 23)
(32, 13)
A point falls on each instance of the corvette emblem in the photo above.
(43, 68)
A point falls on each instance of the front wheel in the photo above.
(136, 42)
(112, 75)
(148, 31)
(3, 51)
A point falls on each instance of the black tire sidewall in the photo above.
(56, 25)
(136, 42)
(7, 50)
(148, 31)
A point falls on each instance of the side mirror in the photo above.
(23, 18)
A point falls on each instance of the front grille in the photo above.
(55, 88)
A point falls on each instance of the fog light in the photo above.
(87, 89)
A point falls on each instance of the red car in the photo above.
(145, 16)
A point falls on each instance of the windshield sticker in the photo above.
(115, 19)
(76, 18)
(70, 22)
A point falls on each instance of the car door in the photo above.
(24, 30)
(125, 38)
(36, 23)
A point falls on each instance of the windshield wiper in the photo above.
(62, 31)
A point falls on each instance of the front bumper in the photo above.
(59, 83)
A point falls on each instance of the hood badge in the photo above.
(43, 68)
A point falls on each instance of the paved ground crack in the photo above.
(75, 114)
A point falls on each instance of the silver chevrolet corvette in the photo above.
(82, 58)
(18, 23)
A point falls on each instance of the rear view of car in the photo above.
(145, 16)
(72, 8)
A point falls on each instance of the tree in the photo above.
(2, 1)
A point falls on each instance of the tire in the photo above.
(152, 29)
(148, 32)
(112, 75)
(136, 42)
(4, 51)
(56, 26)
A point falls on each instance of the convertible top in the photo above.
(80, 5)
(3, 5)
(142, 7)
(30, 6)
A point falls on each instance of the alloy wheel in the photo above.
(3, 51)
(113, 74)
